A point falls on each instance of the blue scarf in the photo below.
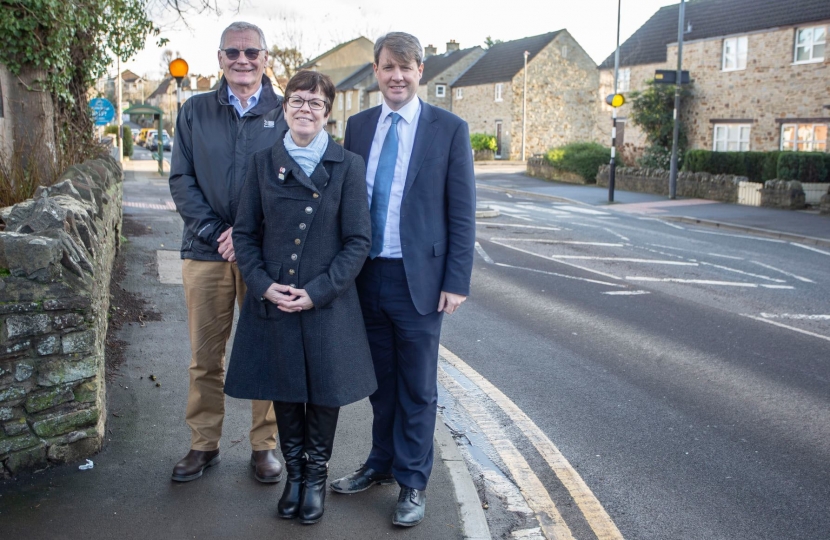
(307, 157)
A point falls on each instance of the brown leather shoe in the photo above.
(193, 465)
(268, 467)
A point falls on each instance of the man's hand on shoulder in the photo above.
(449, 302)
(226, 245)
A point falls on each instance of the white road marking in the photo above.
(626, 293)
(519, 225)
(745, 236)
(799, 278)
(581, 210)
(795, 316)
(811, 248)
(624, 259)
(528, 534)
(799, 330)
(725, 256)
(570, 242)
(663, 222)
(618, 235)
(610, 276)
(561, 275)
(483, 254)
(735, 270)
(692, 281)
(595, 515)
(534, 492)
(531, 207)
(767, 286)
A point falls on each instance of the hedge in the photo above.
(584, 159)
(761, 166)
(126, 136)
(482, 141)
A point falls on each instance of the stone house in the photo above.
(164, 96)
(441, 70)
(562, 82)
(760, 71)
(344, 60)
(350, 98)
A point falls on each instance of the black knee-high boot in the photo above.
(321, 423)
(291, 426)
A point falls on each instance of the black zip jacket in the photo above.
(213, 147)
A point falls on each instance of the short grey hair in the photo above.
(241, 26)
(402, 46)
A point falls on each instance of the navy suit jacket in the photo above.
(438, 206)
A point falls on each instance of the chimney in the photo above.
(452, 45)
(430, 50)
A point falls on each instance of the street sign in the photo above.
(102, 111)
(668, 76)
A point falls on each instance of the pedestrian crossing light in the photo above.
(615, 100)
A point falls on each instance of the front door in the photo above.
(498, 139)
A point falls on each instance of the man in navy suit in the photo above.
(421, 188)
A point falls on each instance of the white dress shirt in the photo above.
(252, 101)
(407, 126)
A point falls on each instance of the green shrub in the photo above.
(126, 136)
(583, 159)
(803, 166)
(482, 141)
(762, 166)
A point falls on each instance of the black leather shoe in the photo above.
(361, 480)
(267, 468)
(410, 508)
(193, 465)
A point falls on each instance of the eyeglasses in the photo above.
(233, 53)
(297, 102)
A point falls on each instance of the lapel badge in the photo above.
(282, 173)
(268, 124)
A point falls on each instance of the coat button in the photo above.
(297, 241)
(302, 226)
(291, 272)
(308, 210)
(315, 195)
(293, 256)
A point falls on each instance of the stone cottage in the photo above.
(760, 71)
(351, 98)
(441, 70)
(562, 81)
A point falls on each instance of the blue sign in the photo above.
(102, 111)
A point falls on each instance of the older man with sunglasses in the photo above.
(216, 134)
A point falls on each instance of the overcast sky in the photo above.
(321, 24)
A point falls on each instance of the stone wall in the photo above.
(538, 167)
(787, 194)
(720, 187)
(824, 207)
(56, 257)
(762, 94)
(426, 91)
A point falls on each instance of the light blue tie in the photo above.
(384, 175)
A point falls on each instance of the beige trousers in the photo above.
(210, 289)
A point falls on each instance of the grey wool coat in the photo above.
(314, 234)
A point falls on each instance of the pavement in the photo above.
(128, 493)
(806, 226)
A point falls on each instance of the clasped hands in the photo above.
(287, 298)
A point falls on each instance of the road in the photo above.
(613, 375)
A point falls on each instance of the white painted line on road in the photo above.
(610, 276)
(768, 267)
(624, 259)
(534, 208)
(570, 242)
(595, 515)
(811, 248)
(626, 293)
(618, 235)
(735, 270)
(799, 330)
(725, 256)
(492, 225)
(581, 210)
(528, 534)
(663, 222)
(561, 275)
(483, 254)
(767, 286)
(693, 281)
(534, 492)
(796, 316)
(745, 236)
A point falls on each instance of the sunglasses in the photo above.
(250, 54)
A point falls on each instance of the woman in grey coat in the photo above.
(301, 236)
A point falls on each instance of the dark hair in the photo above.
(402, 46)
(311, 81)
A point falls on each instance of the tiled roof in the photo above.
(712, 18)
(504, 60)
(162, 87)
(349, 82)
(438, 63)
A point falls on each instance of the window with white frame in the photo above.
(440, 90)
(804, 137)
(459, 93)
(810, 44)
(339, 102)
(624, 80)
(499, 87)
(348, 101)
(731, 137)
(734, 53)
